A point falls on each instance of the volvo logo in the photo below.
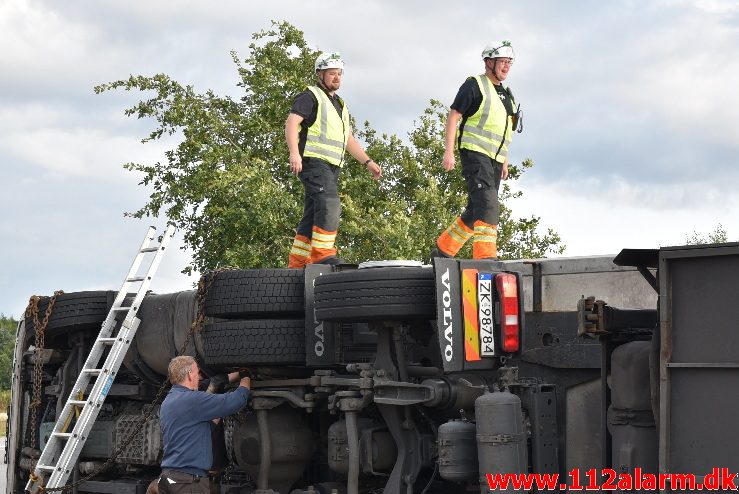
(446, 300)
(318, 348)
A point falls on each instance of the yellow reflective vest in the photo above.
(327, 137)
(489, 126)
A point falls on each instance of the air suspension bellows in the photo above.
(634, 441)
(501, 442)
(457, 451)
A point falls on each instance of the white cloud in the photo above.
(719, 8)
(681, 73)
(55, 153)
(38, 43)
(602, 216)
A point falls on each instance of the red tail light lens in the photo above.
(507, 286)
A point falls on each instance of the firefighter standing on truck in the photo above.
(318, 133)
(488, 117)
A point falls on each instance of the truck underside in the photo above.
(394, 378)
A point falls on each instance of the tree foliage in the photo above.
(8, 326)
(227, 185)
(717, 236)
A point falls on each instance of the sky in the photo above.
(631, 114)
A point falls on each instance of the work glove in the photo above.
(217, 384)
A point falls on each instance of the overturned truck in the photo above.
(398, 377)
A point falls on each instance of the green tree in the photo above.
(717, 236)
(8, 325)
(227, 186)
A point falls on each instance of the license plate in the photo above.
(485, 314)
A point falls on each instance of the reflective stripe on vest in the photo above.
(327, 137)
(483, 131)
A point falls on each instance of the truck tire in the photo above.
(266, 341)
(76, 310)
(247, 293)
(375, 294)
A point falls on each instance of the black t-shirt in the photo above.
(469, 99)
(306, 105)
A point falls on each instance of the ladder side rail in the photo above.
(51, 450)
(53, 446)
(149, 276)
(80, 386)
(96, 352)
(109, 323)
(74, 446)
(123, 291)
(151, 234)
(91, 363)
(89, 413)
(105, 375)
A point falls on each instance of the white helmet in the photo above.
(498, 49)
(329, 61)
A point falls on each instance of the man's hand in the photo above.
(375, 170)
(217, 383)
(236, 376)
(504, 173)
(245, 382)
(449, 161)
(296, 163)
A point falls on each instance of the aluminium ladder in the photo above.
(63, 448)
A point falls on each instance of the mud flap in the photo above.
(450, 313)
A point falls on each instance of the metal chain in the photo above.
(203, 288)
(38, 363)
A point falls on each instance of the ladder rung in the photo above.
(92, 371)
(107, 340)
(79, 403)
(120, 309)
(62, 435)
(133, 280)
(150, 249)
(45, 467)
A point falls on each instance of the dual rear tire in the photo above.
(265, 308)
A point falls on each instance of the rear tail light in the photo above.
(507, 286)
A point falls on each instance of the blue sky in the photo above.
(631, 113)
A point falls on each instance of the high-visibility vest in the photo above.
(328, 135)
(489, 126)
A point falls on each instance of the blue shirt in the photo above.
(185, 419)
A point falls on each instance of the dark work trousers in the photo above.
(174, 482)
(321, 206)
(482, 175)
